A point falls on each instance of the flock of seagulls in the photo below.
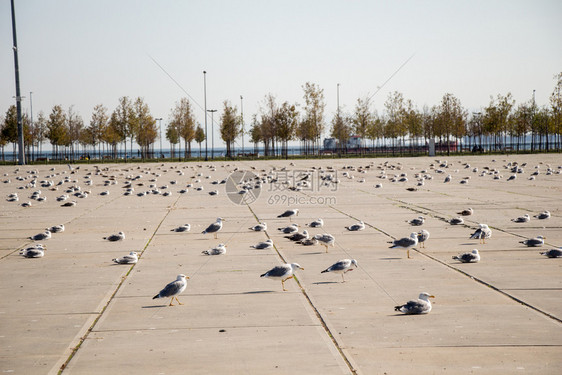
(292, 231)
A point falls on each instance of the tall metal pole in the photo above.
(21, 154)
(338, 100)
(31, 110)
(205, 93)
(242, 120)
(160, 128)
(212, 111)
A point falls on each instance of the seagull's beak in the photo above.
(187, 277)
(302, 268)
(431, 296)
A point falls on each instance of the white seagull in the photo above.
(215, 227)
(472, 257)
(283, 272)
(343, 266)
(173, 289)
(131, 258)
(405, 243)
(419, 306)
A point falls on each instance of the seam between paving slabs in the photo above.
(100, 314)
(316, 311)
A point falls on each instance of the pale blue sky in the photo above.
(83, 53)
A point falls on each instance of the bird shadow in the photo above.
(470, 243)
(153, 306)
(390, 258)
(315, 253)
(327, 282)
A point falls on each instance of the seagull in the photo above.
(448, 178)
(69, 204)
(290, 229)
(356, 227)
(326, 239)
(318, 223)
(182, 228)
(419, 306)
(215, 227)
(259, 227)
(456, 221)
(512, 177)
(127, 259)
(543, 215)
(417, 221)
(56, 228)
(472, 257)
(522, 219)
(469, 211)
(173, 289)
(308, 242)
(41, 236)
(290, 213)
(283, 272)
(299, 236)
(405, 243)
(481, 233)
(552, 253)
(534, 242)
(220, 249)
(268, 244)
(36, 251)
(423, 235)
(342, 266)
(115, 237)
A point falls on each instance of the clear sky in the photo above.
(84, 53)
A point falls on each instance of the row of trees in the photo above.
(275, 125)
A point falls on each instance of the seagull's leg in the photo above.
(408, 252)
(178, 301)
(283, 285)
(171, 302)
(342, 279)
(215, 235)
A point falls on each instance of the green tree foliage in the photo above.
(57, 132)
(362, 118)
(341, 130)
(10, 128)
(98, 125)
(173, 136)
(312, 127)
(144, 125)
(199, 137)
(182, 118)
(230, 126)
(124, 124)
(286, 121)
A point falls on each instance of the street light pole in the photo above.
(242, 120)
(31, 110)
(212, 111)
(21, 154)
(159, 119)
(205, 94)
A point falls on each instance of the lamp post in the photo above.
(205, 94)
(242, 120)
(31, 110)
(21, 154)
(212, 132)
(159, 119)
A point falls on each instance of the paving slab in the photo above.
(74, 311)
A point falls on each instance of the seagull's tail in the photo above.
(156, 296)
(326, 270)
(398, 308)
(456, 257)
(263, 275)
(206, 252)
(204, 232)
